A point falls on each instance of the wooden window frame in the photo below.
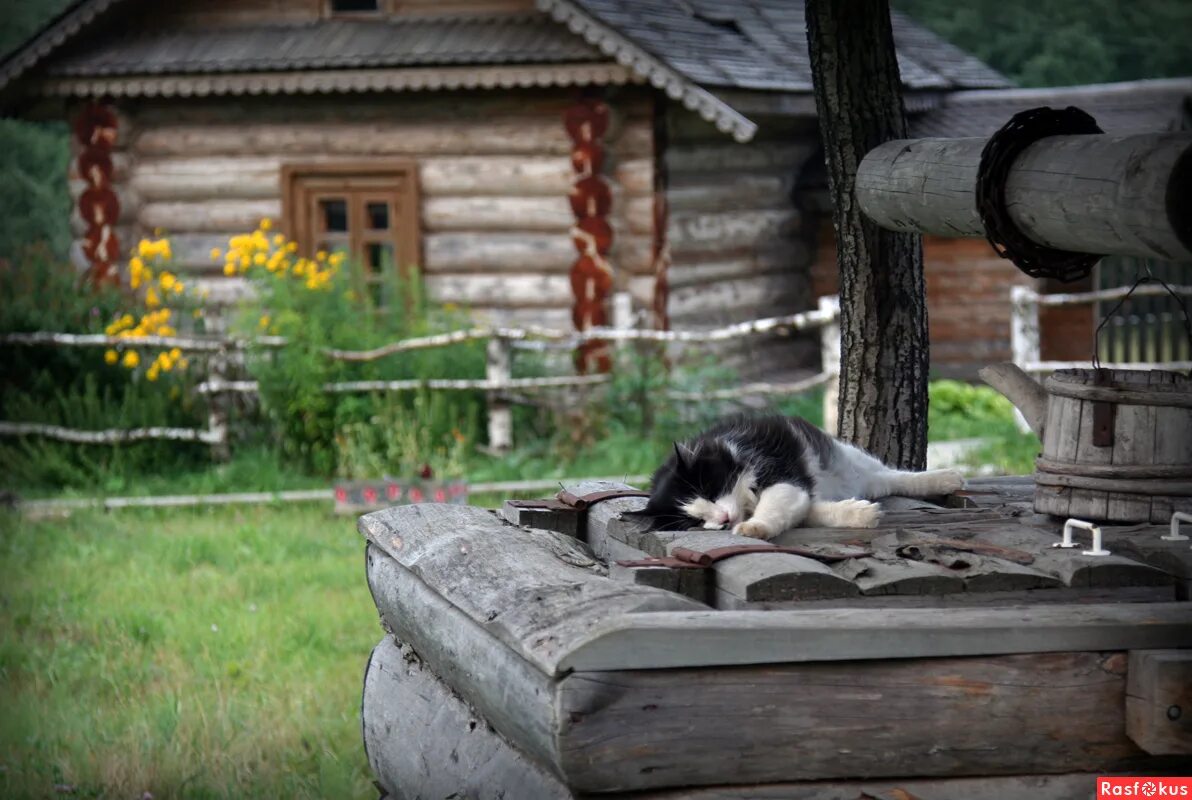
(329, 11)
(361, 182)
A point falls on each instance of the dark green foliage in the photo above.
(1066, 42)
(35, 205)
(73, 387)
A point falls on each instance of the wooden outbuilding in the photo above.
(467, 139)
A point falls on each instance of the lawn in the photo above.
(210, 653)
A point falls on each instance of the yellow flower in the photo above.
(179, 287)
(291, 247)
(151, 298)
(259, 259)
(266, 224)
(197, 313)
(216, 253)
(278, 240)
(167, 281)
(321, 255)
(264, 322)
(111, 357)
(182, 362)
(175, 354)
(145, 249)
(229, 268)
(151, 373)
(131, 359)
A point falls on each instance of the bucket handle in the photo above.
(1146, 278)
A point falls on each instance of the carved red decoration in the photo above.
(591, 200)
(95, 130)
(592, 232)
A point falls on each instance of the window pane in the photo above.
(334, 215)
(378, 215)
(353, 5)
(378, 256)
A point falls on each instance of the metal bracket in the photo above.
(1175, 535)
(1096, 549)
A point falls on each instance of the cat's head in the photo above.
(701, 487)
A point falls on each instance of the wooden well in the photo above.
(1117, 445)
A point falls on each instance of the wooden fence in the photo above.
(498, 383)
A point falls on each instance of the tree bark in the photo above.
(884, 351)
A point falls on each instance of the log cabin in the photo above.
(527, 158)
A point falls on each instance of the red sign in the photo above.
(1141, 787)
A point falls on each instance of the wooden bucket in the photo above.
(1117, 445)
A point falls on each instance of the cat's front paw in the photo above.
(943, 481)
(754, 530)
(855, 514)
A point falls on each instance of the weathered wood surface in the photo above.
(693, 638)
(924, 717)
(509, 690)
(1159, 701)
(536, 591)
(1115, 195)
(422, 740)
(1036, 787)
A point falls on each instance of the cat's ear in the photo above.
(683, 455)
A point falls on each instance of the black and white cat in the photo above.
(762, 475)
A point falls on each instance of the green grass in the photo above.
(213, 653)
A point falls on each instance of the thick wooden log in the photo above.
(538, 592)
(1010, 715)
(485, 213)
(718, 231)
(498, 136)
(208, 216)
(422, 740)
(497, 251)
(1159, 701)
(691, 638)
(257, 177)
(500, 291)
(1114, 195)
(1036, 787)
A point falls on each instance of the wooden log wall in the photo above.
(493, 169)
(738, 246)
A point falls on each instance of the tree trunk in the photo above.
(884, 356)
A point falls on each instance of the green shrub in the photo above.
(313, 304)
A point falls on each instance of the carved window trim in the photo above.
(359, 184)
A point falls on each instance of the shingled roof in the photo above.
(691, 49)
(1133, 107)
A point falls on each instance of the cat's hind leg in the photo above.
(779, 507)
(843, 514)
(921, 484)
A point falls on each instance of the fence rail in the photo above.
(498, 383)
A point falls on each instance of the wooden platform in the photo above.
(948, 645)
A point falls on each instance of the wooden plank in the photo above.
(699, 638)
(538, 592)
(996, 599)
(757, 577)
(1035, 787)
(422, 740)
(1159, 701)
(977, 563)
(1011, 715)
(893, 575)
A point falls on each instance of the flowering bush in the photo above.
(314, 304)
(162, 295)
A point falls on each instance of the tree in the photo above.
(884, 351)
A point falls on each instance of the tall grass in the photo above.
(215, 653)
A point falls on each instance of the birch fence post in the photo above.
(1025, 350)
(217, 405)
(498, 370)
(830, 356)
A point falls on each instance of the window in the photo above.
(367, 210)
(353, 6)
